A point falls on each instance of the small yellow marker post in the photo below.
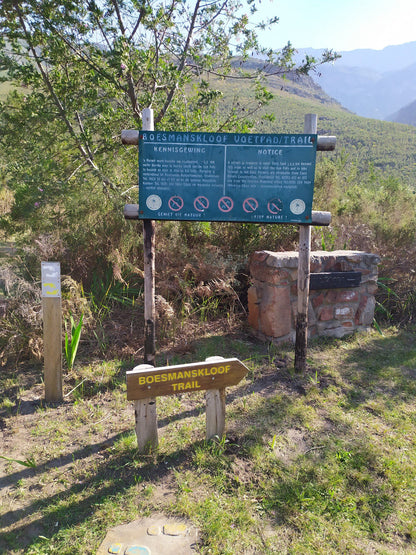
(52, 330)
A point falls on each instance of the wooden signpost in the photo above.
(145, 383)
(304, 270)
(149, 270)
(173, 168)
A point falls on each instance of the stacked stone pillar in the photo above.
(332, 312)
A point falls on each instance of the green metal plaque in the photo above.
(226, 177)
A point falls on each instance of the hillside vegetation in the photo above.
(367, 184)
(367, 142)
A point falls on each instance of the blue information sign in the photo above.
(226, 176)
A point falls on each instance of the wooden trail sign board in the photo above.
(232, 177)
(197, 376)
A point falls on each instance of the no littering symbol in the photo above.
(175, 203)
(201, 203)
(250, 205)
(225, 204)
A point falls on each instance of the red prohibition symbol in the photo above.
(201, 203)
(175, 203)
(275, 206)
(225, 204)
(250, 205)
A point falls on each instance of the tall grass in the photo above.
(72, 339)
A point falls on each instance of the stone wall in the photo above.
(272, 299)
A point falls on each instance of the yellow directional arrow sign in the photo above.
(197, 376)
(51, 279)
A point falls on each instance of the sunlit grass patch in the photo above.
(323, 462)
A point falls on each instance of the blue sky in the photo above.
(340, 24)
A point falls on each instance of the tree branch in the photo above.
(131, 91)
(181, 66)
(142, 13)
(119, 18)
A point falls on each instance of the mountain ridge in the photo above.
(406, 115)
(370, 83)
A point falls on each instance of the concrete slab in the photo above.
(157, 535)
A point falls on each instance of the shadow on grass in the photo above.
(113, 477)
(81, 387)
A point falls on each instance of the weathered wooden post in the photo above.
(215, 408)
(146, 419)
(149, 269)
(145, 409)
(304, 264)
(52, 330)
